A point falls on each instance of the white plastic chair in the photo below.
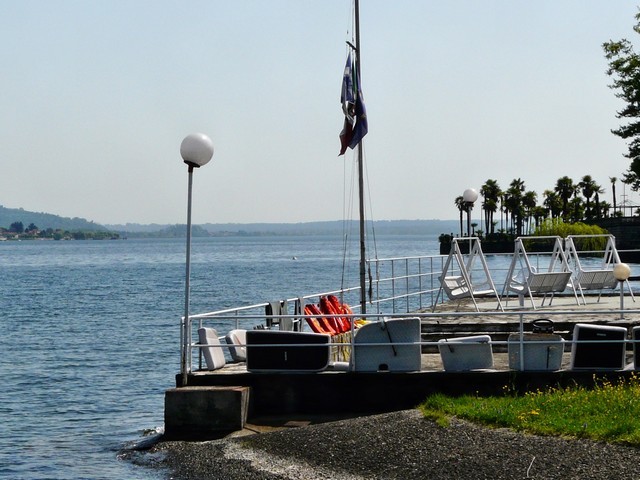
(211, 348)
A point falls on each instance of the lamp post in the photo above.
(621, 271)
(469, 197)
(196, 150)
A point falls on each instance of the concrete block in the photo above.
(195, 413)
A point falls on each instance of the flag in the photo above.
(362, 126)
(347, 96)
(355, 114)
(347, 99)
(345, 136)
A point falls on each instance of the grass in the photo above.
(608, 412)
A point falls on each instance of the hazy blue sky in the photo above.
(97, 96)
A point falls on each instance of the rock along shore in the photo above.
(399, 445)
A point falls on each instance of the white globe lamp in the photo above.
(621, 272)
(196, 150)
(469, 196)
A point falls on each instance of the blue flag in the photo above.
(362, 126)
(355, 115)
(347, 99)
(348, 94)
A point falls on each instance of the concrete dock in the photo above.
(231, 397)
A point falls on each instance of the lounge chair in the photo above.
(275, 350)
(537, 352)
(273, 311)
(211, 348)
(388, 345)
(598, 347)
(466, 353)
(237, 339)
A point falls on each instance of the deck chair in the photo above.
(525, 279)
(598, 278)
(211, 348)
(279, 351)
(459, 279)
(598, 347)
(466, 353)
(389, 345)
(273, 310)
(237, 341)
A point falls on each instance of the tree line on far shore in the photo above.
(17, 231)
(520, 212)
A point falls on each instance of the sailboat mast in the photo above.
(363, 258)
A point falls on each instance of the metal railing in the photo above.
(522, 317)
(397, 287)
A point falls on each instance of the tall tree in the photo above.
(529, 201)
(490, 191)
(589, 188)
(16, 227)
(514, 204)
(576, 208)
(553, 203)
(461, 206)
(565, 188)
(624, 68)
(539, 214)
(613, 181)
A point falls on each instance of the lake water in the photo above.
(90, 335)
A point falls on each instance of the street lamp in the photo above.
(621, 271)
(196, 150)
(469, 197)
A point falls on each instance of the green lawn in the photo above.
(608, 411)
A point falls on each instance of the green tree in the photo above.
(16, 227)
(565, 188)
(624, 68)
(514, 204)
(490, 191)
(529, 201)
(576, 209)
(539, 215)
(589, 188)
(553, 203)
(460, 205)
(613, 181)
(605, 207)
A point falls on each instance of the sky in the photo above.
(98, 95)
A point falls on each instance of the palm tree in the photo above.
(613, 181)
(529, 202)
(490, 191)
(589, 187)
(576, 207)
(597, 206)
(553, 203)
(513, 204)
(539, 214)
(461, 206)
(565, 188)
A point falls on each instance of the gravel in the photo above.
(400, 445)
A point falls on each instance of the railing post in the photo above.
(393, 286)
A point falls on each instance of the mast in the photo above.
(363, 258)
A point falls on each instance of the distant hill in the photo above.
(46, 220)
(398, 227)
